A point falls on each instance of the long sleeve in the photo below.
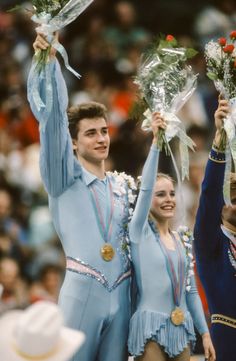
(58, 165)
(195, 307)
(207, 233)
(145, 194)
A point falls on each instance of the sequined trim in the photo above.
(75, 265)
(232, 255)
(217, 160)
(228, 321)
(216, 156)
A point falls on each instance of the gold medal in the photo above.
(107, 252)
(177, 316)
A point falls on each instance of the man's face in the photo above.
(229, 213)
(93, 141)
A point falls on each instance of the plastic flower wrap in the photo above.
(221, 68)
(52, 16)
(166, 83)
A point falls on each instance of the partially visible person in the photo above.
(90, 211)
(215, 245)
(48, 285)
(125, 32)
(37, 333)
(216, 19)
(7, 222)
(168, 304)
(15, 291)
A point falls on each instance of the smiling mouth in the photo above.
(101, 148)
(167, 208)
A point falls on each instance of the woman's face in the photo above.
(163, 200)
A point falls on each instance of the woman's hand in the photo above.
(158, 122)
(209, 350)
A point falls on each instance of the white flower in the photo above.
(187, 245)
(131, 198)
(117, 192)
(185, 238)
(183, 229)
(213, 50)
(124, 184)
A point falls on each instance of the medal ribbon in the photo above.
(105, 230)
(177, 284)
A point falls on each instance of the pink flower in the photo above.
(222, 41)
(228, 48)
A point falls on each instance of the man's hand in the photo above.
(158, 122)
(41, 43)
(221, 113)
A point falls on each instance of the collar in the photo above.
(89, 177)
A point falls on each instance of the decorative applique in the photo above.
(80, 267)
(186, 236)
(232, 245)
(232, 254)
(124, 186)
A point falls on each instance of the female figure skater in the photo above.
(168, 304)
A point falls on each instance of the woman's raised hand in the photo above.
(158, 123)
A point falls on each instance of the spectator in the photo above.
(37, 334)
(14, 287)
(48, 286)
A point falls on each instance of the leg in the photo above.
(183, 356)
(113, 346)
(78, 298)
(152, 352)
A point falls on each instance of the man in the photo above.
(215, 247)
(90, 211)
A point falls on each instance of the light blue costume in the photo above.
(95, 294)
(151, 320)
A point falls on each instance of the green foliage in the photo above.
(190, 53)
(138, 109)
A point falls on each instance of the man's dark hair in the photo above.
(89, 110)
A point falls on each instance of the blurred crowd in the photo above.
(104, 44)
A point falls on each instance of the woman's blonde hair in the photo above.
(165, 176)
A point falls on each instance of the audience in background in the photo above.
(104, 45)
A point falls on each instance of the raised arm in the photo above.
(147, 183)
(207, 233)
(57, 163)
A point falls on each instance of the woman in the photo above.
(168, 305)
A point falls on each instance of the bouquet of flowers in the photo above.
(166, 83)
(51, 16)
(220, 58)
(221, 68)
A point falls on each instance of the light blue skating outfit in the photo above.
(95, 294)
(155, 302)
